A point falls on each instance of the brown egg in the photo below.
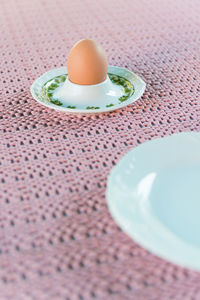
(87, 63)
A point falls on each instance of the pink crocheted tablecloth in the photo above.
(57, 238)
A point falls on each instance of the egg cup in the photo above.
(54, 90)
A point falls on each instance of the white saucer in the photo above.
(136, 81)
(154, 195)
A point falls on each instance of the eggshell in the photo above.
(87, 63)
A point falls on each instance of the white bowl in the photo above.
(154, 195)
(100, 95)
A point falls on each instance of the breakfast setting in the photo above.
(100, 150)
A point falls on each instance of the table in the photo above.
(57, 238)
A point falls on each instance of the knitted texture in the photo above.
(57, 238)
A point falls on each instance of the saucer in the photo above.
(46, 87)
(153, 194)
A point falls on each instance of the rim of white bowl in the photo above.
(145, 235)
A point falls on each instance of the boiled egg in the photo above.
(87, 63)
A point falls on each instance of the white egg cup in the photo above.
(86, 97)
